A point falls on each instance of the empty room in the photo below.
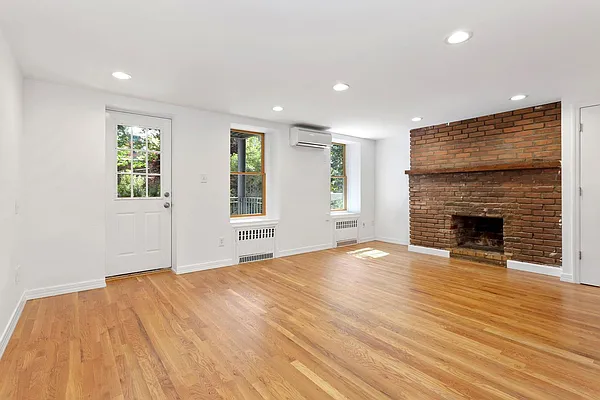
(301, 199)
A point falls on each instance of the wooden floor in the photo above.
(326, 325)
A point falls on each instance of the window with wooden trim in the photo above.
(247, 187)
(339, 181)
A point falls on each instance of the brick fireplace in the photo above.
(489, 188)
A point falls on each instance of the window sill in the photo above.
(252, 221)
(344, 214)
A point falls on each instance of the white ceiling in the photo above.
(245, 56)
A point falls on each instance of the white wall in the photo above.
(63, 207)
(391, 189)
(10, 132)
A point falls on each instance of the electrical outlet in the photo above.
(203, 178)
(17, 274)
(221, 242)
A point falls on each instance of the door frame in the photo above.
(107, 111)
(577, 204)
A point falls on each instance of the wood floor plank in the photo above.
(370, 321)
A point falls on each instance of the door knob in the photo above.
(167, 205)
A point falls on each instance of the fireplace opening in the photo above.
(479, 233)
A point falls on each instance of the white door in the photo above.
(590, 199)
(139, 193)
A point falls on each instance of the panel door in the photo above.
(138, 193)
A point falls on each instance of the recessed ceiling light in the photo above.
(121, 75)
(277, 108)
(459, 37)
(417, 119)
(340, 87)
(519, 97)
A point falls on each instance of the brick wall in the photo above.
(522, 135)
(529, 200)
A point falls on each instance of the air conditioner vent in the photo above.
(302, 137)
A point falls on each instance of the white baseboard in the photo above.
(301, 250)
(429, 251)
(65, 289)
(367, 239)
(186, 269)
(535, 268)
(12, 324)
(391, 240)
(567, 278)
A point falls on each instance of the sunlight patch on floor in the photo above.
(368, 252)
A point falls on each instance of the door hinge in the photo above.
(580, 255)
(580, 191)
(581, 127)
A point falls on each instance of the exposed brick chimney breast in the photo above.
(513, 164)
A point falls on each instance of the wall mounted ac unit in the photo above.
(302, 137)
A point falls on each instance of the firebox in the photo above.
(480, 233)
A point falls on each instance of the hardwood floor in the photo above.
(326, 325)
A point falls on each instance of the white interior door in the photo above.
(138, 193)
(590, 199)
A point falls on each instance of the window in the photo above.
(247, 179)
(338, 177)
(138, 162)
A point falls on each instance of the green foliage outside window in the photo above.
(138, 162)
(253, 153)
(337, 160)
(338, 177)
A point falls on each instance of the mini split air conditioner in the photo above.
(302, 137)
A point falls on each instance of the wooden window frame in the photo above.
(344, 177)
(261, 173)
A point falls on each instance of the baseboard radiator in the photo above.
(255, 244)
(346, 232)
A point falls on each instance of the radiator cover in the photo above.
(346, 232)
(254, 243)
